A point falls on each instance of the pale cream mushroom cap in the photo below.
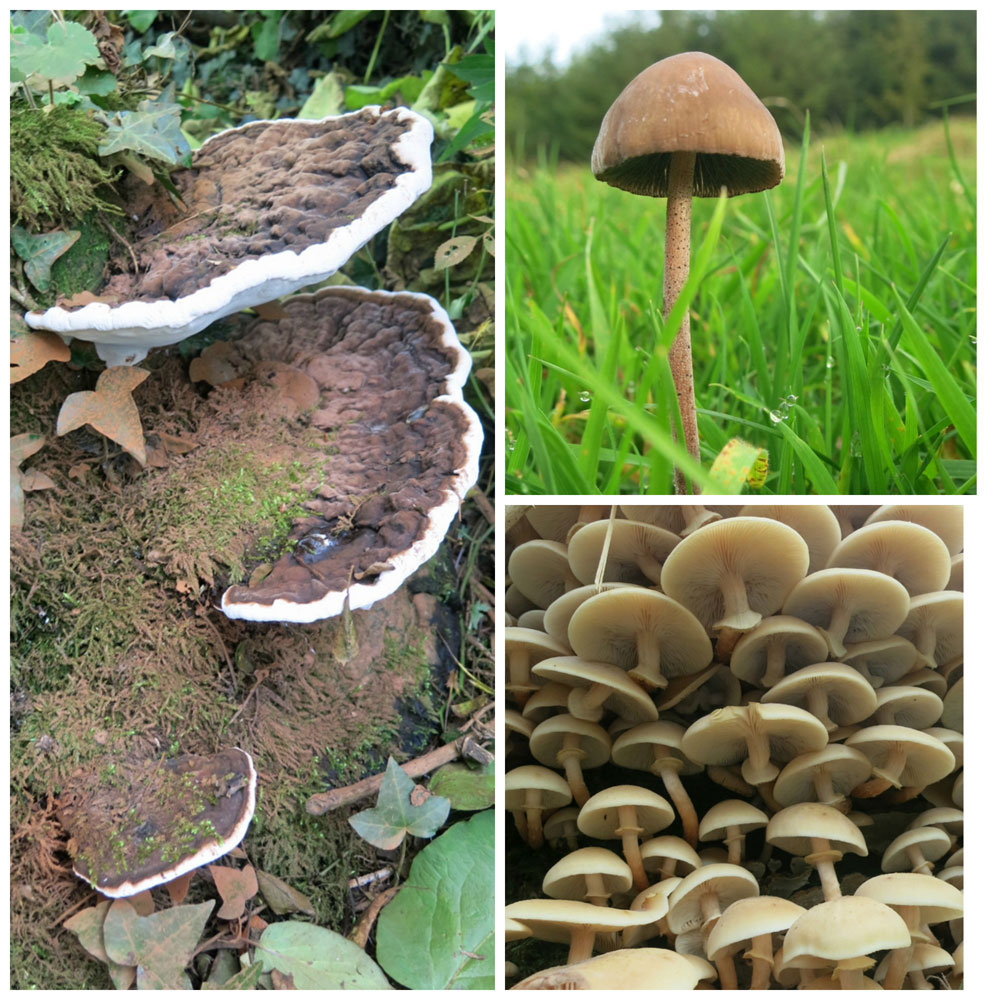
(681, 519)
(561, 610)
(599, 818)
(596, 688)
(852, 516)
(907, 552)
(753, 734)
(815, 523)
(934, 624)
(541, 570)
(552, 522)
(635, 554)
(645, 633)
(630, 969)
(882, 661)
(550, 699)
(575, 875)
(796, 828)
(915, 849)
(907, 705)
(728, 815)
(533, 618)
(777, 646)
(735, 572)
(727, 883)
(849, 605)
(836, 694)
(831, 772)
(945, 520)
(524, 647)
(953, 713)
(668, 852)
(936, 900)
(843, 929)
(957, 579)
(749, 918)
(926, 759)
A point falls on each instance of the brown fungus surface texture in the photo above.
(135, 825)
(263, 189)
(397, 446)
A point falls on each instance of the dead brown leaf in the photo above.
(236, 886)
(177, 889)
(109, 409)
(35, 479)
(22, 447)
(32, 351)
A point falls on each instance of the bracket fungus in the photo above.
(397, 445)
(134, 827)
(270, 207)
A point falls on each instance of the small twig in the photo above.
(360, 933)
(121, 239)
(336, 798)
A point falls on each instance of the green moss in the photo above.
(55, 171)
(81, 267)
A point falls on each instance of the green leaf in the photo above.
(69, 49)
(159, 946)
(141, 19)
(97, 82)
(342, 22)
(437, 933)
(408, 87)
(154, 130)
(245, 979)
(467, 788)
(317, 959)
(479, 73)
(326, 99)
(163, 49)
(267, 36)
(40, 252)
(399, 811)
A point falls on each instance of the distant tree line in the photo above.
(855, 70)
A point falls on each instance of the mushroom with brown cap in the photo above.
(246, 237)
(734, 572)
(687, 125)
(157, 820)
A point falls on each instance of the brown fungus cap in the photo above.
(264, 210)
(694, 103)
(397, 446)
(151, 822)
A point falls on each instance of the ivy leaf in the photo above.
(32, 351)
(245, 979)
(159, 946)
(466, 788)
(153, 130)
(22, 447)
(236, 886)
(68, 50)
(163, 49)
(401, 809)
(141, 19)
(40, 251)
(109, 409)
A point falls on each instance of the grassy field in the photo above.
(833, 322)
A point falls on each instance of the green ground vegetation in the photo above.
(833, 323)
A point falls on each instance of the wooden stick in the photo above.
(336, 798)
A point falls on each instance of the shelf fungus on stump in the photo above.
(396, 445)
(268, 208)
(136, 826)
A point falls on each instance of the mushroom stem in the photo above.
(569, 758)
(762, 954)
(738, 613)
(899, 958)
(775, 669)
(581, 944)
(629, 830)
(822, 860)
(669, 770)
(677, 259)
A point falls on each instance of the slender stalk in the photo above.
(677, 258)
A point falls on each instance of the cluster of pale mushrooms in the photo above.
(785, 680)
